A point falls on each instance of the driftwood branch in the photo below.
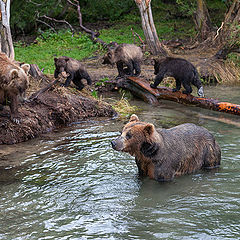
(35, 72)
(44, 89)
(141, 88)
(94, 35)
(136, 34)
(38, 20)
(59, 21)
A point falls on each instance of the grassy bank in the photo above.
(168, 24)
(49, 45)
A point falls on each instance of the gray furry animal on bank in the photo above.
(163, 154)
(128, 58)
(183, 71)
(74, 68)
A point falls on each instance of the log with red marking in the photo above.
(141, 88)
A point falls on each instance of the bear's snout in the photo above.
(117, 144)
(114, 144)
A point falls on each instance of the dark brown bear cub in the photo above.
(74, 68)
(183, 71)
(125, 55)
(163, 154)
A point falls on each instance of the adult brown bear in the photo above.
(163, 154)
(13, 84)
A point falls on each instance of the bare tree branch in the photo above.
(94, 35)
(72, 3)
(136, 34)
(59, 21)
(38, 20)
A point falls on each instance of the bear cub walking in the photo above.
(183, 71)
(128, 58)
(163, 154)
(74, 68)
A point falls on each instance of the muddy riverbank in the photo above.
(57, 107)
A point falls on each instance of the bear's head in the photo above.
(61, 63)
(138, 137)
(109, 58)
(157, 65)
(19, 79)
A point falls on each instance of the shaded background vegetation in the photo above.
(25, 16)
(38, 40)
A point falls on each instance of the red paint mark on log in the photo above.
(168, 94)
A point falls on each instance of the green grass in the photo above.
(51, 45)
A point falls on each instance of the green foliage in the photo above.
(102, 82)
(25, 13)
(50, 45)
(105, 9)
(95, 94)
(187, 7)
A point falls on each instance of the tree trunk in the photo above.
(149, 28)
(6, 44)
(202, 20)
(228, 35)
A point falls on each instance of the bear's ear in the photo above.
(149, 129)
(26, 68)
(134, 118)
(55, 59)
(13, 73)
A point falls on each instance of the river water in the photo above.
(71, 184)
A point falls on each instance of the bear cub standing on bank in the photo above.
(183, 71)
(74, 68)
(125, 55)
(163, 154)
(13, 84)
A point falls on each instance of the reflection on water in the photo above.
(72, 185)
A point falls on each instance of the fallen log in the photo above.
(35, 71)
(61, 77)
(141, 88)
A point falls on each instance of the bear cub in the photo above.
(163, 154)
(74, 68)
(13, 85)
(183, 71)
(128, 58)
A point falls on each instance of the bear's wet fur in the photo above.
(182, 70)
(13, 84)
(163, 154)
(74, 68)
(128, 58)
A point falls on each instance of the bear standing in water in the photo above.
(74, 68)
(163, 154)
(125, 55)
(183, 71)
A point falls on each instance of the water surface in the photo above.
(71, 184)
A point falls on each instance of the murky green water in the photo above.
(72, 185)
